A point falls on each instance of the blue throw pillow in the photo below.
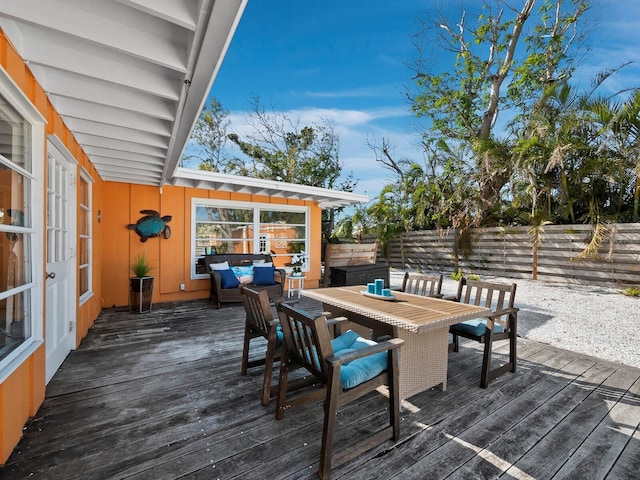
(263, 275)
(228, 278)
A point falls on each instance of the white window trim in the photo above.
(16, 98)
(244, 205)
(84, 175)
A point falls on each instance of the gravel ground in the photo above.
(597, 321)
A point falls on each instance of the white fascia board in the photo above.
(323, 196)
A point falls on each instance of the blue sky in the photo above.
(345, 60)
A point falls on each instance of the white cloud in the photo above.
(356, 129)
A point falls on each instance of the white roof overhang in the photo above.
(255, 186)
(128, 77)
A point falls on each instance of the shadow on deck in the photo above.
(160, 396)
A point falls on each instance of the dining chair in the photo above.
(422, 284)
(260, 323)
(344, 369)
(499, 324)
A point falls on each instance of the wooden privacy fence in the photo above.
(508, 251)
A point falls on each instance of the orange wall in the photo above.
(170, 258)
(22, 393)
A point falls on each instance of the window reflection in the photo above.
(15, 235)
(15, 321)
(219, 230)
(15, 136)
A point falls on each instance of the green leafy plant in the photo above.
(632, 292)
(459, 274)
(140, 266)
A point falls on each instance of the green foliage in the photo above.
(458, 275)
(210, 133)
(568, 154)
(631, 292)
(140, 266)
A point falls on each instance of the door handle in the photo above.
(51, 275)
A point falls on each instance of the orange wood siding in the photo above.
(174, 269)
(22, 393)
(170, 258)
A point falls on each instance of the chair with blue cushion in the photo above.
(344, 368)
(260, 323)
(500, 324)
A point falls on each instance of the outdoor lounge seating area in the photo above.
(164, 391)
(228, 272)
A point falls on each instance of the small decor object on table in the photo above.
(377, 290)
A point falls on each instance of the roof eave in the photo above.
(324, 197)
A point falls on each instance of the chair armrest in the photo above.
(335, 324)
(281, 273)
(505, 311)
(391, 344)
(335, 320)
(216, 279)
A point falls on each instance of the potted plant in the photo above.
(141, 286)
(298, 262)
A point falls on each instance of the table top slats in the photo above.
(412, 312)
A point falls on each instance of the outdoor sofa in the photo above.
(253, 270)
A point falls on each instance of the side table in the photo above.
(296, 283)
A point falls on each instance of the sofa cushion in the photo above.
(263, 275)
(219, 266)
(244, 274)
(228, 278)
(477, 327)
(360, 370)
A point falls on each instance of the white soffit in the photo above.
(325, 198)
(128, 77)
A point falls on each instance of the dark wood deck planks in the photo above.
(159, 396)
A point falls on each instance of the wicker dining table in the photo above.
(422, 322)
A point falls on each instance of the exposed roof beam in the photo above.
(178, 13)
(110, 24)
(94, 90)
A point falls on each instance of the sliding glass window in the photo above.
(241, 227)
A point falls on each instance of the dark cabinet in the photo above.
(359, 274)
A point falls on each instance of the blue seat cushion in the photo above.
(228, 279)
(477, 327)
(360, 370)
(264, 275)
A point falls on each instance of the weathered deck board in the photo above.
(160, 396)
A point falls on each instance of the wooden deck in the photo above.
(159, 396)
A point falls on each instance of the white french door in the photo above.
(60, 275)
